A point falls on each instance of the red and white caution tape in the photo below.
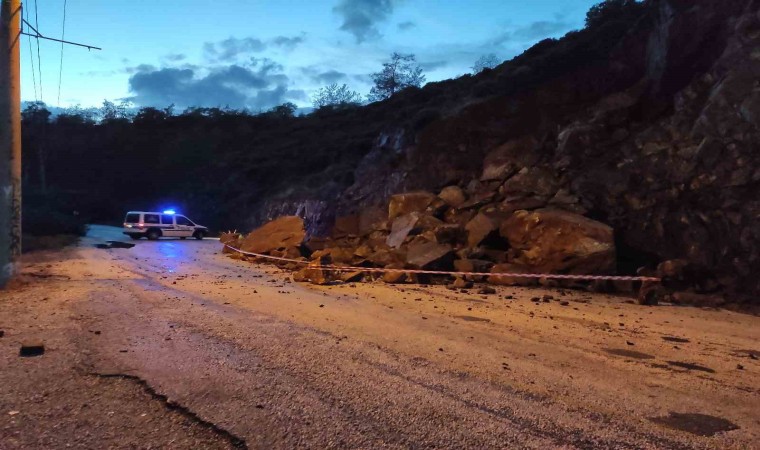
(312, 265)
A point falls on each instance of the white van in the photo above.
(154, 225)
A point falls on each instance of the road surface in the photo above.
(171, 344)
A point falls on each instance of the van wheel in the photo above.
(153, 234)
(183, 238)
(199, 235)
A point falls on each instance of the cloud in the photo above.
(230, 48)
(288, 43)
(330, 77)
(174, 57)
(541, 30)
(360, 17)
(258, 85)
(405, 26)
(433, 65)
(140, 68)
(535, 31)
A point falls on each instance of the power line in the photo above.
(31, 56)
(39, 60)
(60, 67)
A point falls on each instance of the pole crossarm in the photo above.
(39, 35)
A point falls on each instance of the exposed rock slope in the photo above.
(657, 139)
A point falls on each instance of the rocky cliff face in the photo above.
(657, 139)
(660, 141)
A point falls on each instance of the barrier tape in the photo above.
(311, 265)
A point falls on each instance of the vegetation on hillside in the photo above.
(219, 165)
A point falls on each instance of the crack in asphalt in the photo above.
(234, 440)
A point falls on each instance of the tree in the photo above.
(35, 118)
(150, 115)
(111, 112)
(284, 111)
(401, 72)
(488, 61)
(77, 115)
(334, 96)
(35, 113)
(617, 10)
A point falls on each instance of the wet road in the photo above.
(274, 364)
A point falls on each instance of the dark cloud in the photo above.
(259, 85)
(533, 32)
(408, 25)
(360, 17)
(433, 65)
(288, 43)
(230, 48)
(330, 77)
(140, 68)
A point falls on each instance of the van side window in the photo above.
(182, 220)
(132, 218)
(151, 218)
(167, 219)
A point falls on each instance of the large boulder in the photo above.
(556, 241)
(401, 228)
(427, 255)
(478, 228)
(453, 196)
(280, 234)
(409, 202)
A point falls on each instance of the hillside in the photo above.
(647, 122)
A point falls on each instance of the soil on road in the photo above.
(171, 344)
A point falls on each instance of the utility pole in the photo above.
(10, 139)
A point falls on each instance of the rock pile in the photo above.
(479, 229)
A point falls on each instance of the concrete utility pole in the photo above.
(10, 139)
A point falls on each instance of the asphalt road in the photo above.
(171, 344)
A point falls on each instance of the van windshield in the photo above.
(182, 220)
(132, 218)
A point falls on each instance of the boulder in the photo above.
(461, 283)
(372, 219)
(314, 275)
(401, 228)
(506, 280)
(458, 216)
(479, 228)
(232, 239)
(472, 265)
(428, 222)
(342, 255)
(449, 233)
(506, 159)
(401, 204)
(351, 277)
(395, 276)
(426, 254)
(556, 241)
(453, 196)
(346, 226)
(488, 254)
(282, 233)
(534, 181)
(477, 200)
(383, 257)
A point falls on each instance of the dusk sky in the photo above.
(258, 54)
